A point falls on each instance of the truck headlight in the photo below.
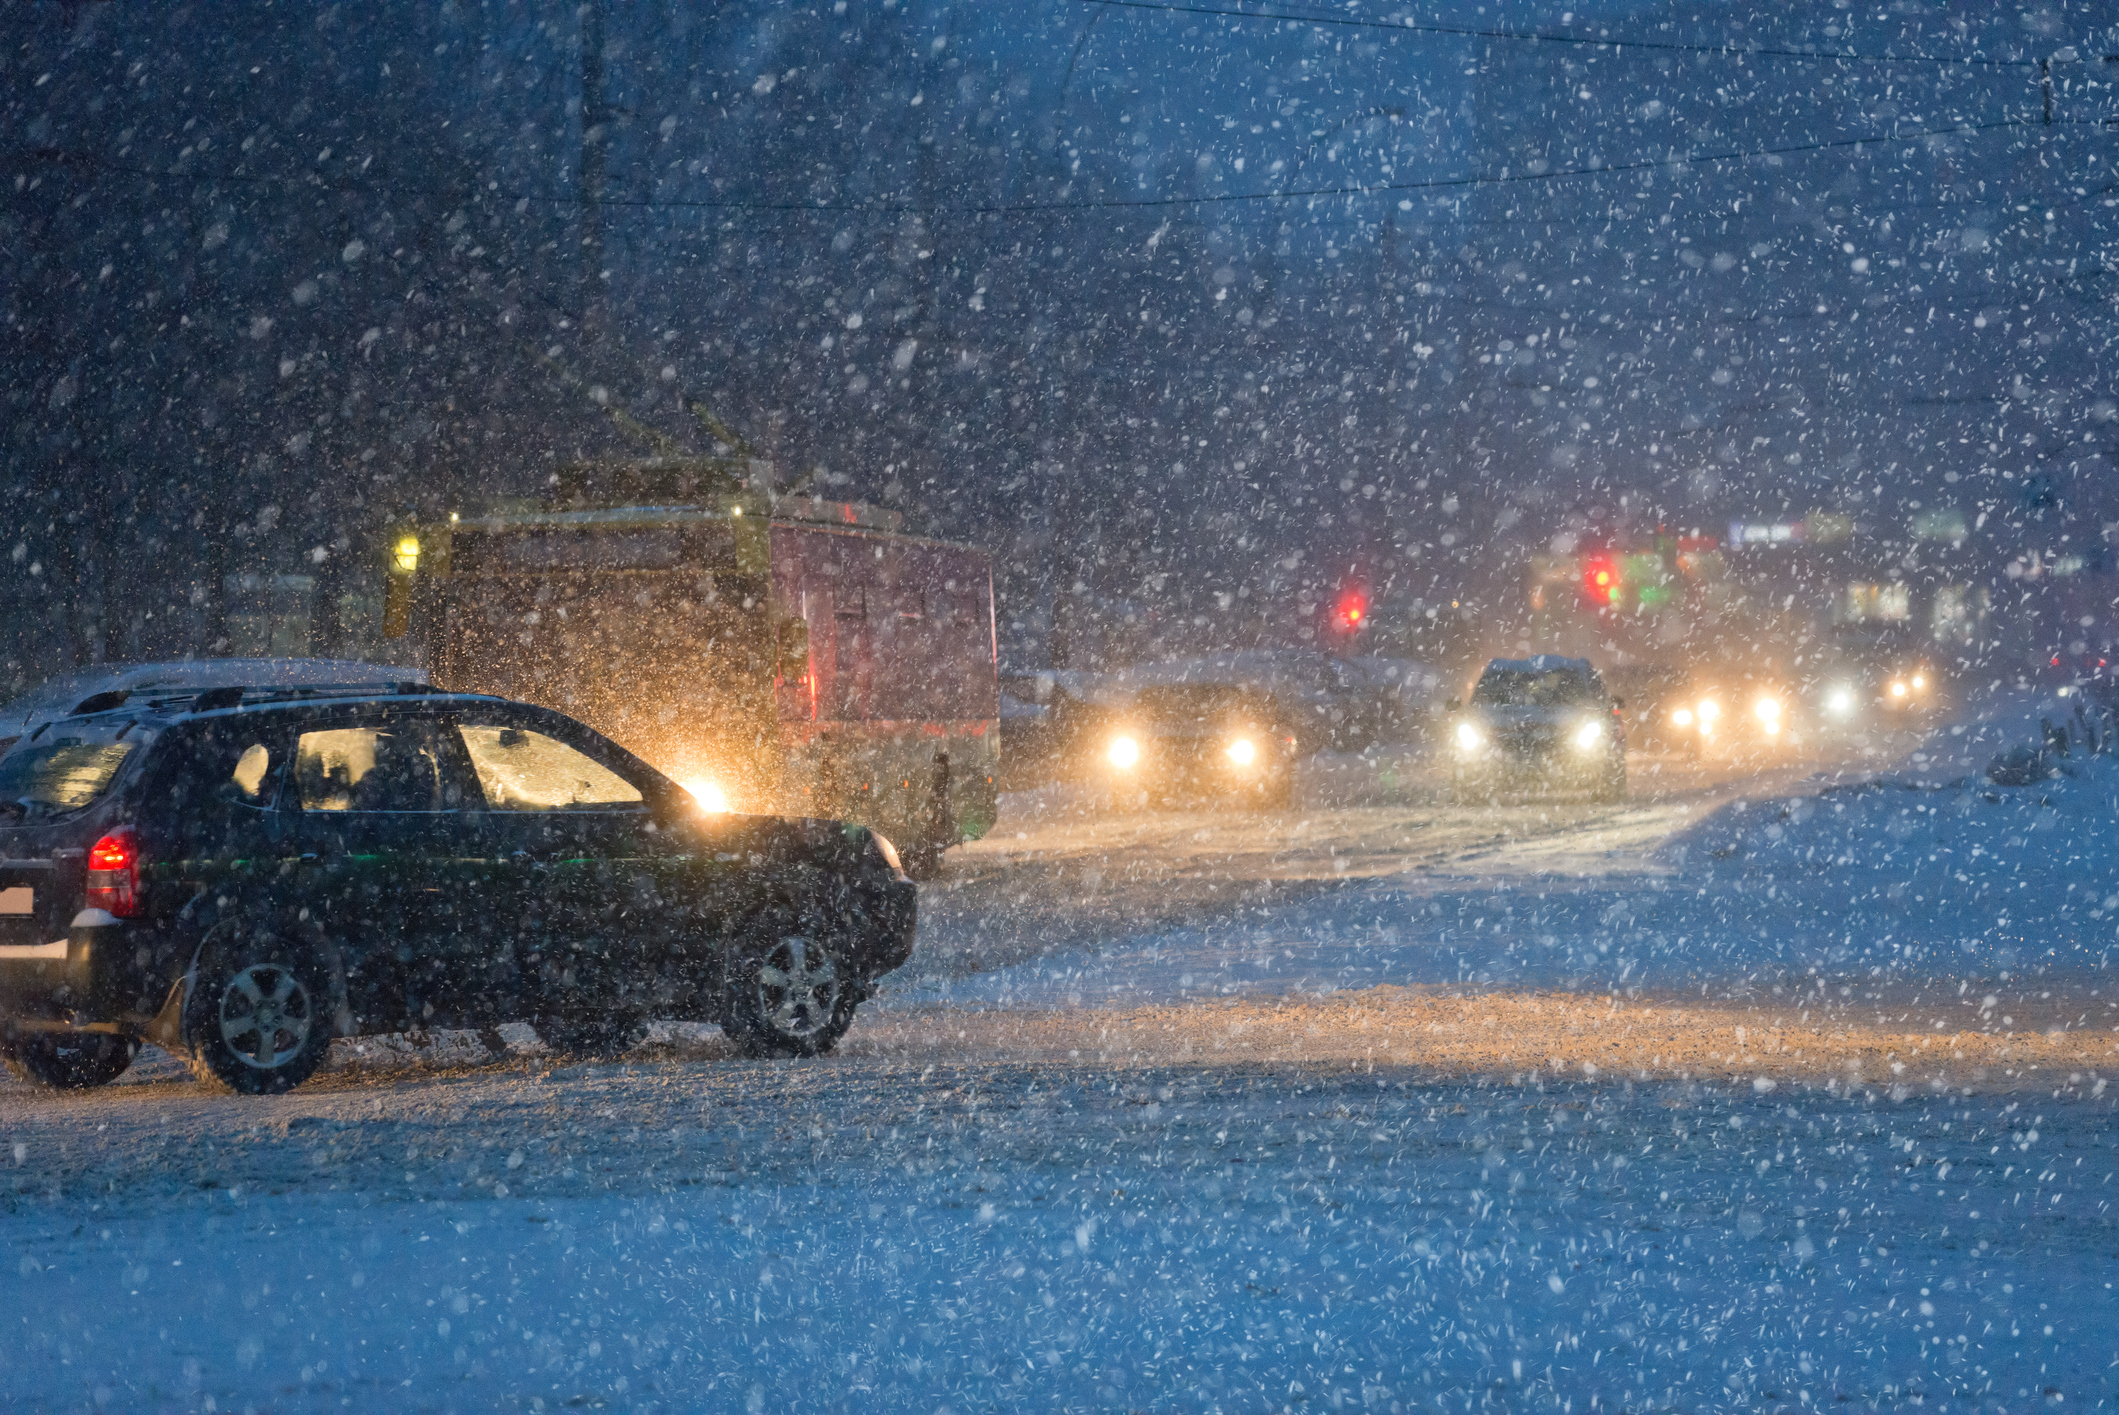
(1242, 751)
(1588, 735)
(1123, 753)
(1469, 738)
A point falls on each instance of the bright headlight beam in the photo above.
(1242, 751)
(1588, 735)
(1709, 710)
(1469, 738)
(1682, 717)
(711, 798)
(1123, 752)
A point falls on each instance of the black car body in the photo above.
(242, 875)
(1540, 722)
(1200, 741)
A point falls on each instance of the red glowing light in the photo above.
(1353, 608)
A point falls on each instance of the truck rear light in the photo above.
(114, 873)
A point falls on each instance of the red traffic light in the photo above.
(1600, 582)
(1353, 609)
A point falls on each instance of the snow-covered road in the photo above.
(1765, 1091)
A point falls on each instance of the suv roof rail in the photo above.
(232, 695)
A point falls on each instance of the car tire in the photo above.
(598, 1038)
(791, 991)
(258, 1018)
(71, 1061)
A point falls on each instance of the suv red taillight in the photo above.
(114, 873)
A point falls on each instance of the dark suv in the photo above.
(242, 875)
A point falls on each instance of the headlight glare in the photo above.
(1469, 738)
(1123, 752)
(711, 798)
(1588, 735)
(1242, 751)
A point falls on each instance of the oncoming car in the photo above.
(242, 875)
(1204, 740)
(1540, 722)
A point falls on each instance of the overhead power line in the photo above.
(1409, 26)
(493, 191)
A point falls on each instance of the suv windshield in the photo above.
(66, 768)
(1560, 687)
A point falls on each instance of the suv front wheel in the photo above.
(790, 992)
(258, 1019)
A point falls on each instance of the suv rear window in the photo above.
(66, 768)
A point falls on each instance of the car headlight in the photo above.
(711, 798)
(1920, 680)
(1682, 717)
(1242, 751)
(1708, 710)
(1898, 688)
(1767, 710)
(1840, 701)
(1123, 752)
(1469, 738)
(1588, 735)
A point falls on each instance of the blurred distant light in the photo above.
(1709, 710)
(1898, 690)
(1768, 711)
(405, 555)
(711, 798)
(1682, 717)
(1469, 738)
(1588, 735)
(1840, 701)
(1920, 680)
(1242, 751)
(1123, 752)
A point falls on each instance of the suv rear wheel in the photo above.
(71, 1061)
(258, 1019)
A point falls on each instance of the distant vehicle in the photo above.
(776, 654)
(1539, 722)
(241, 875)
(1199, 741)
(1329, 704)
(111, 683)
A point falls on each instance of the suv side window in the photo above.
(522, 770)
(215, 783)
(406, 765)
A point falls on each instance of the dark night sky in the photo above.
(278, 273)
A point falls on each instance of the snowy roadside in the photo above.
(859, 1236)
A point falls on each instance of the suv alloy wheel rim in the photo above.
(265, 1016)
(798, 988)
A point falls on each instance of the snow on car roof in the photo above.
(58, 696)
(1541, 663)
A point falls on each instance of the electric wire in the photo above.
(1733, 51)
(622, 203)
